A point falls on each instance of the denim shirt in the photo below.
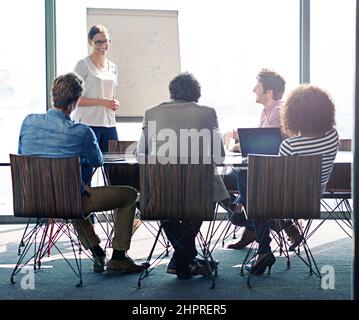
(55, 135)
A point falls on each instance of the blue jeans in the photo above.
(242, 185)
(241, 177)
(103, 135)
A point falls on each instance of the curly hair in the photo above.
(66, 89)
(185, 87)
(271, 80)
(308, 109)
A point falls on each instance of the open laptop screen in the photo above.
(259, 140)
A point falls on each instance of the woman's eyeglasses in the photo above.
(101, 42)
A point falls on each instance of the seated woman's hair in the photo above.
(66, 89)
(308, 109)
(185, 87)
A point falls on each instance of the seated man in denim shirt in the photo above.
(54, 134)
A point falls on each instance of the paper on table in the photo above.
(113, 157)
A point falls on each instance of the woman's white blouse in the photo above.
(99, 84)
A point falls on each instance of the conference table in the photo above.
(230, 159)
(127, 169)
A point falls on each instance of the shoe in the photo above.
(294, 236)
(262, 263)
(199, 267)
(236, 214)
(171, 268)
(248, 237)
(184, 272)
(99, 264)
(213, 263)
(126, 265)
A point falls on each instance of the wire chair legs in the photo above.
(39, 239)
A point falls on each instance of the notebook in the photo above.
(259, 140)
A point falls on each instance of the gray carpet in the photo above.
(56, 281)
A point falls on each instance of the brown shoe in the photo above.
(126, 265)
(294, 236)
(99, 264)
(248, 237)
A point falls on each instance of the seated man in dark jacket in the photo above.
(184, 114)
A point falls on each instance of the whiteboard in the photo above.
(145, 48)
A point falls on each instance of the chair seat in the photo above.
(337, 195)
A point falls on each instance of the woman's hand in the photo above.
(112, 104)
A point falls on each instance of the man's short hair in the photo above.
(66, 89)
(308, 109)
(185, 87)
(271, 80)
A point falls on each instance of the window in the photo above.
(22, 78)
(332, 50)
(224, 46)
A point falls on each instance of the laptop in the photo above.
(259, 140)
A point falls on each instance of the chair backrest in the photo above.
(345, 145)
(125, 174)
(46, 187)
(176, 191)
(340, 178)
(283, 186)
(122, 146)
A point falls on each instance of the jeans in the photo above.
(262, 229)
(237, 219)
(242, 185)
(103, 135)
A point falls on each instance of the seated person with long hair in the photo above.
(308, 117)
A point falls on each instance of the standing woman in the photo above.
(98, 105)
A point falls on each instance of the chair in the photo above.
(47, 190)
(177, 191)
(285, 187)
(127, 174)
(335, 200)
(345, 145)
(339, 189)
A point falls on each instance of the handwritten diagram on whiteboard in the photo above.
(145, 48)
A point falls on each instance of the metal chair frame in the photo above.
(178, 192)
(42, 188)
